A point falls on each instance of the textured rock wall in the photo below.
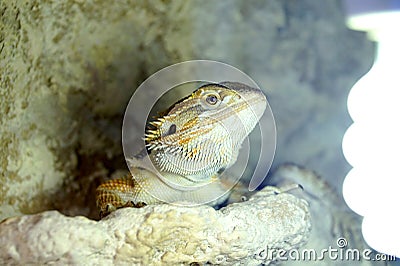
(68, 68)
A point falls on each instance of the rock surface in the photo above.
(245, 233)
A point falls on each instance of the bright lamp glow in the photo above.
(372, 144)
(383, 232)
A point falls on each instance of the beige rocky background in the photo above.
(68, 69)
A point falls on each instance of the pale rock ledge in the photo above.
(241, 233)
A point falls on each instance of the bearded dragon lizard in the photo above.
(188, 149)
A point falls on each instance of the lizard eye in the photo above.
(212, 99)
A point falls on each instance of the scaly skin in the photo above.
(188, 149)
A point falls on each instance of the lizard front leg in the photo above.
(117, 193)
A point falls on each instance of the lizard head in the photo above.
(202, 134)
